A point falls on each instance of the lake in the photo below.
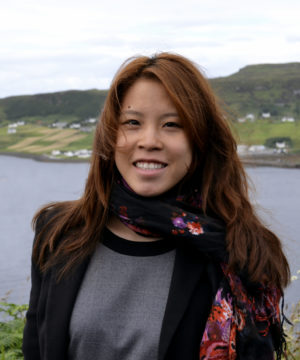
(25, 185)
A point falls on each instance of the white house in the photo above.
(69, 153)
(287, 119)
(266, 115)
(242, 149)
(75, 126)
(91, 120)
(257, 148)
(59, 125)
(250, 117)
(280, 145)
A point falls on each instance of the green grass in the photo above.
(260, 130)
(246, 133)
(49, 119)
(85, 143)
(38, 132)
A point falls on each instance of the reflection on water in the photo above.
(26, 184)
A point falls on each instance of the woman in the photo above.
(163, 256)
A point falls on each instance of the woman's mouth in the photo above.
(149, 165)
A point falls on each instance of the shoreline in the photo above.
(291, 161)
(287, 161)
(42, 158)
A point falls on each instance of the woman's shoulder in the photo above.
(48, 216)
(45, 223)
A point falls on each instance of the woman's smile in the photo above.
(145, 165)
(153, 152)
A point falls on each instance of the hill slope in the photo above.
(273, 88)
(74, 104)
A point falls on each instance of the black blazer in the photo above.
(194, 284)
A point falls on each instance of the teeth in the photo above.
(149, 166)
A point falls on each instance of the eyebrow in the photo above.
(132, 112)
(138, 113)
(170, 114)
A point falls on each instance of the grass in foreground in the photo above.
(11, 332)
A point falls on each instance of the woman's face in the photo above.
(152, 152)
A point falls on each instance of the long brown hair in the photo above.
(216, 166)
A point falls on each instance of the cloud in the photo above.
(53, 44)
(293, 38)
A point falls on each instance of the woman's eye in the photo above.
(131, 122)
(172, 124)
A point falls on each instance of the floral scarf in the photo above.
(239, 318)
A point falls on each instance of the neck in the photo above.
(121, 230)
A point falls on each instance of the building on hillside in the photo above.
(266, 115)
(69, 153)
(87, 128)
(287, 119)
(12, 128)
(242, 149)
(91, 120)
(75, 126)
(281, 147)
(257, 148)
(250, 117)
(59, 125)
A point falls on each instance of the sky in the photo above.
(57, 45)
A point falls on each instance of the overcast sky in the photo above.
(53, 45)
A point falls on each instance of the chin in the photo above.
(149, 192)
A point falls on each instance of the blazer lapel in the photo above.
(62, 296)
(187, 272)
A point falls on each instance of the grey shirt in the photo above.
(121, 303)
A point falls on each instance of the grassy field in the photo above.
(258, 132)
(32, 139)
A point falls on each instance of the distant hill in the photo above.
(273, 88)
(74, 104)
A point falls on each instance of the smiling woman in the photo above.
(153, 152)
(163, 257)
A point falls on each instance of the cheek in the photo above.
(122, 145)
(121, 140)
(124, 149)
(184, 153)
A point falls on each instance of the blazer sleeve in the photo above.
(31, 349)
(31, 344)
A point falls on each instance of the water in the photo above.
(25, 185)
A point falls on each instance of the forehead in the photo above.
(146, 93)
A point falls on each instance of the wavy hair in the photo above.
(216, 166)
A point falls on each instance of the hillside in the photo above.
(268, 88)
(257, 89)
(70, 106)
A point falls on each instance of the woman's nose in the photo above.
(150, 139)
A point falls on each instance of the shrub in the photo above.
(11, 331)
(271, 142)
